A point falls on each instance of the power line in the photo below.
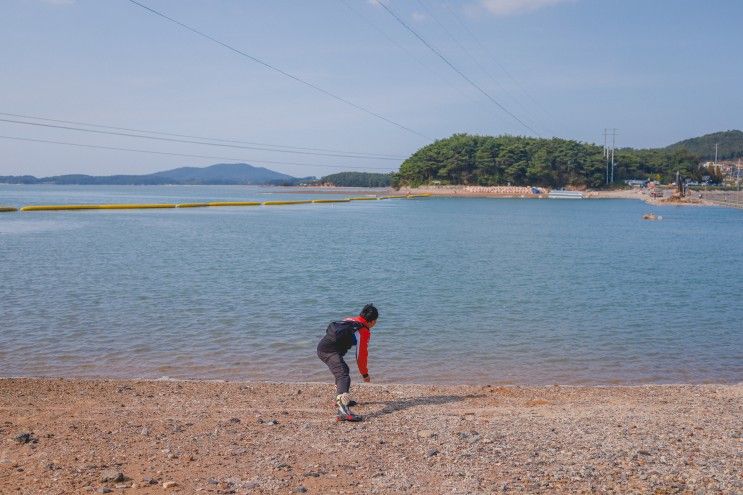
(280, 71)
(401, 47)
(211, 157)
(160, 133)
(453, 67)
(186, 141)
(477, 62)
(489, 53)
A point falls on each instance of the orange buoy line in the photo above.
(137, 206)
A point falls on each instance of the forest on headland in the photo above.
(466, 159)
(358, 179)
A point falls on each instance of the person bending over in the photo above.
(339, 338)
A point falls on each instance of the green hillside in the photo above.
(730, 145)
(518, 161)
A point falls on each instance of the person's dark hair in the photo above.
(369, 313)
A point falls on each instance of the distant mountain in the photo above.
(219, 174)
(223, 173)
(730, 145)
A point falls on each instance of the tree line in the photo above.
(358, 179)
(466, 159)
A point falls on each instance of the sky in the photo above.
(356, 81)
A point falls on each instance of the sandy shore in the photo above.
(513, 192)
(77, 436)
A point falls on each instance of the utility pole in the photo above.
(606, 157)
(716, 145)
(609, 154)
(613, 143)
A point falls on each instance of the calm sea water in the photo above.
(469, 290)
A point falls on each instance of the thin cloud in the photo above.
(419, 17)
(505, 8)
(58, 2)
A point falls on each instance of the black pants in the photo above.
(338, 367)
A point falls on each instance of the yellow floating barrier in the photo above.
(95, 207)
(135, 206)
(276, 203)
(424, 195)
(234, 203)
(192, 205)
(60, 207)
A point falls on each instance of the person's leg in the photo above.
(340, 371)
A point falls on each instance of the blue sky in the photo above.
(659, 71)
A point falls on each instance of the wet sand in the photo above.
(131, 436)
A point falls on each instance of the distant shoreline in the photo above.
(457, 191)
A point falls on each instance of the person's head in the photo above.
(370, 314)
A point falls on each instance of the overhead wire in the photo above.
(187, 141)
(484, 69)
(454, 68)
(203, 138)
(410, 54)
(187, 155)
(280, 71)
(398, 44)
(485, 50)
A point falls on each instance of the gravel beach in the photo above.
(112, 436)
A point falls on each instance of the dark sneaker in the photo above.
(348, 417)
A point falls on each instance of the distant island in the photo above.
(219, 174)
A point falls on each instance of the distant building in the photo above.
(637, 182)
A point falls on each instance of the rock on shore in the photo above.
(103, 436)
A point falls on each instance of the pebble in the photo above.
(104, 489)
(112, 475)
(300, 489)
(26, 437)
(426, 434)
(432, 452)
(169, 484)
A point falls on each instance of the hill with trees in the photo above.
(730, 145)
(490, 161)
(358, 179)
(221, 173)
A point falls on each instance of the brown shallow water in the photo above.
(240, 437)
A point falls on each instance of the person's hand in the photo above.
(367, 379)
